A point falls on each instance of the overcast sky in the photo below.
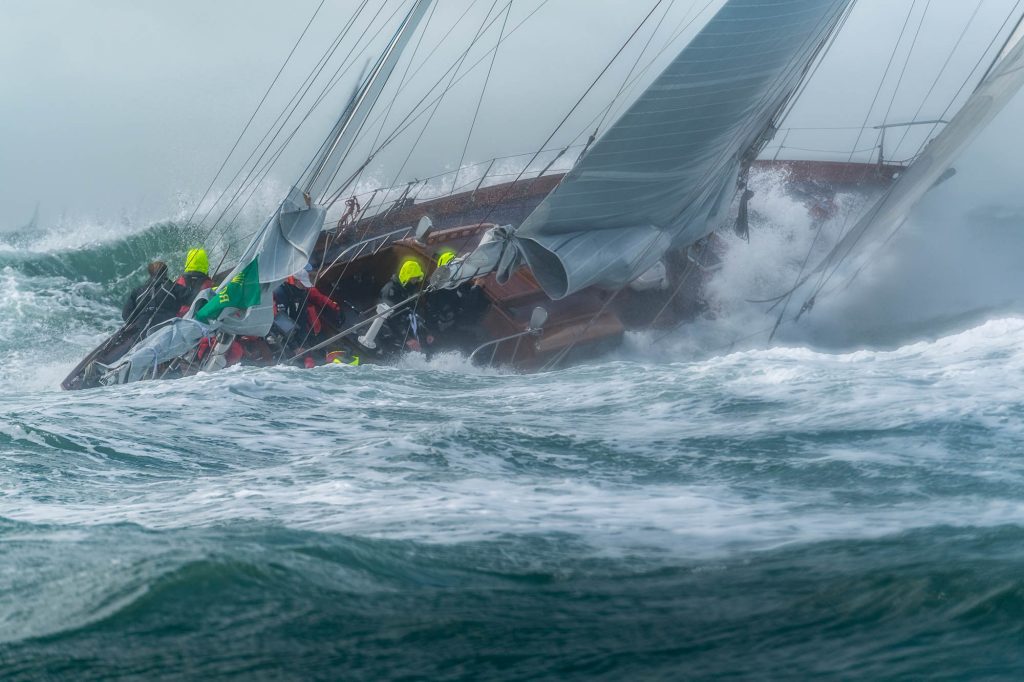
(129, 107)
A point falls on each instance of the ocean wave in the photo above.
(268, 601)
(105, 259)
(659, 458)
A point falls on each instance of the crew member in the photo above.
(303, 303)
(340, 357)
(452, 313)
(405, 283)
(443, 305)
(153, 302)
(405, 325)
(195, 279)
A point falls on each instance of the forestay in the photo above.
(666, 172)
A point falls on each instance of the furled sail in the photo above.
(666, 172)
(1003, 80)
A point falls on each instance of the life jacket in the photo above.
(297, 303)
(233, 355)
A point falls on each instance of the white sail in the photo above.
(994, 92)
(665, 173)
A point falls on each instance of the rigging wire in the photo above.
(904, 222)
(336, 78)
(257, 175)
(480, 100)
(942, 71)
(255, 111)
(363, 125)
(885, 76)
(416, 111)
(297, 101)
(627, 80)
(288, 110)
(405, 75)
(819, 60)
(817, 235)
(981, 60)
(484, 26)
(906, 63)
(293, 103)
(574, 107)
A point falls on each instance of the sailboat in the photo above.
(546, 270)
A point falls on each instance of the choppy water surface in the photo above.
(764, 513)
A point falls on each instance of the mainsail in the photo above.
(666, 172)
(1003, 80)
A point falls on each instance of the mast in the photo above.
(341, 137)
(244, 303)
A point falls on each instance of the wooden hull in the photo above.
(583, 324)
